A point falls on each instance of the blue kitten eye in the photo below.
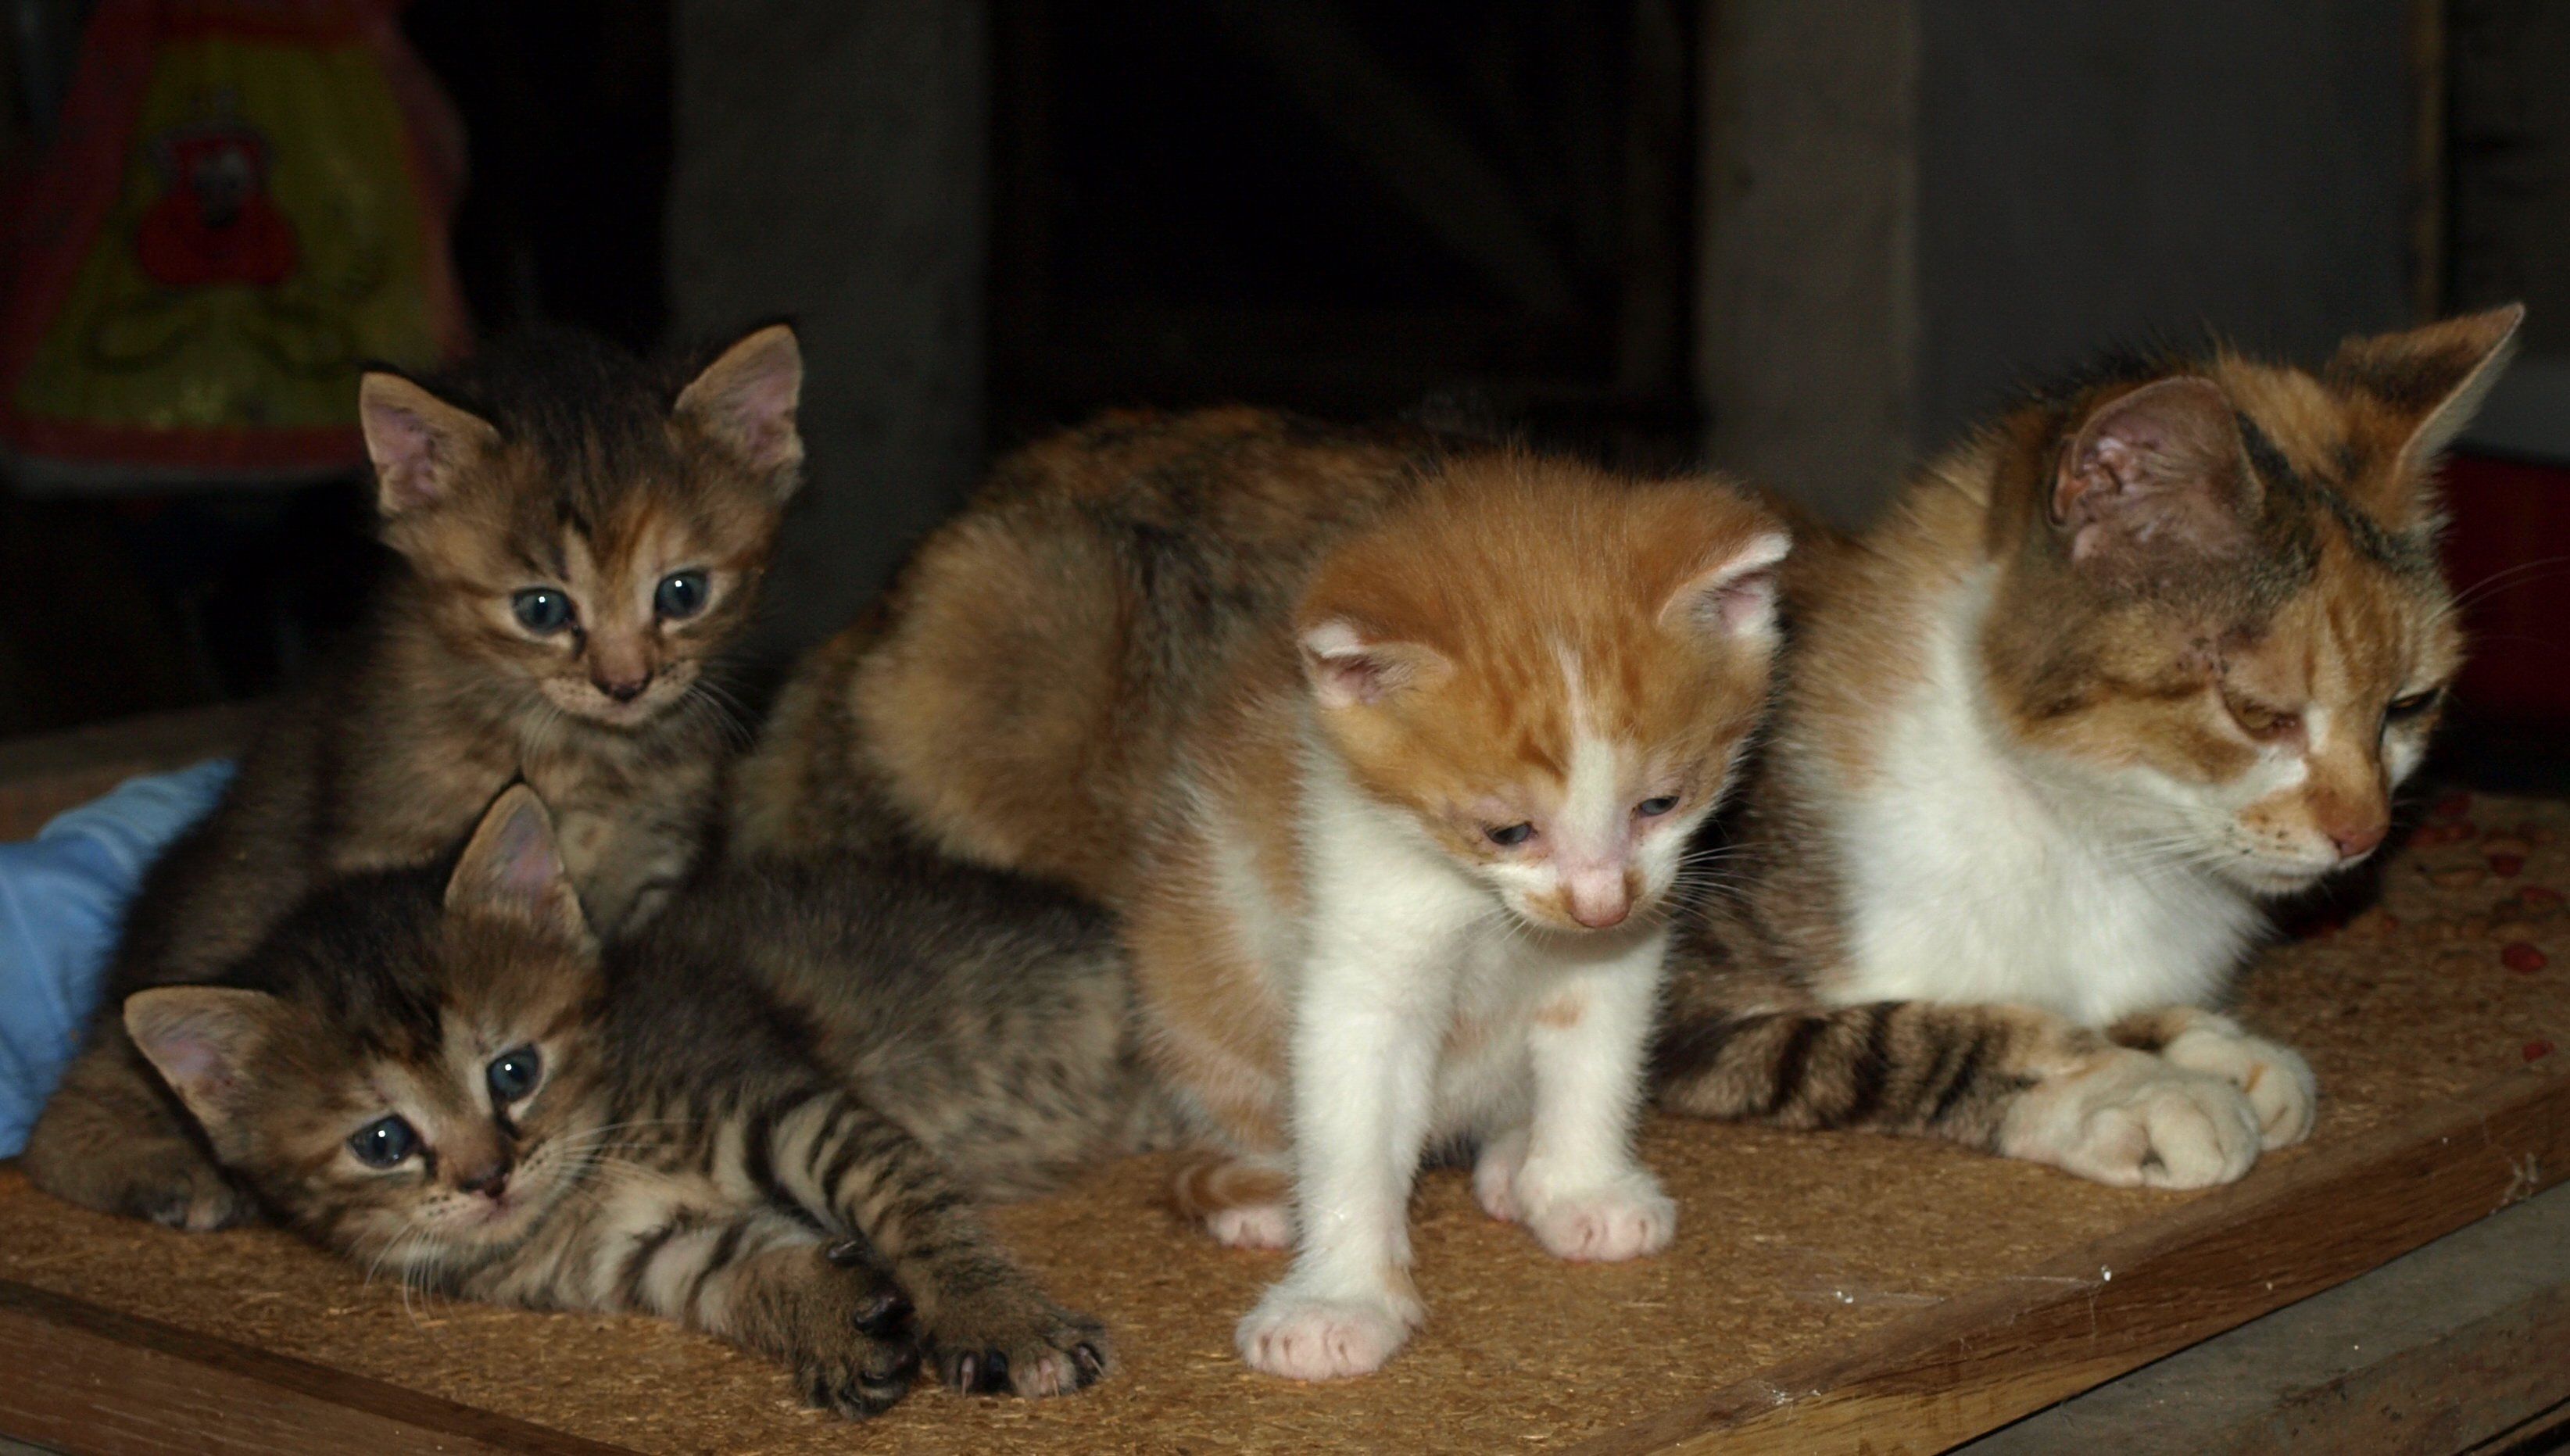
(681, 595)
(514, 1074)
(542, 610)
(1509, 836)
(384, 1143)
(1654, 808)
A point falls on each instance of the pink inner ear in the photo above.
(525, 866)
(405, 452)
(1747, 601)
(192, 1058)
(748, 396)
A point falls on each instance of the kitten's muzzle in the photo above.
(621, 689)
(491, 1181)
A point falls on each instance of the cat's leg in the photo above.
(113, 1139)
(2276, 1079)
(1363, 1067)
(761, 1282)
(987, 1322)
(1579, 1189)
(2013, 1080)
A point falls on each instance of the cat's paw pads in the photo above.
(2136, 1120)
(1252, 1226)
(1495, 1177)
(1034, 1351)
(2276, 1079)
(1305, 1338)
(1625, 1219)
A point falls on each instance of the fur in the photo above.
(552, 462)
(2149, 653)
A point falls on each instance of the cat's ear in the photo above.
(205, 1041)
(420, 444)
(745, 401)
(2155, 478)
(1735, 594)
(513, 871)
(2431, 380)
(1347, 667)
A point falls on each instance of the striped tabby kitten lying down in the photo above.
(443, 1077)
(580, 537)
(2148, 654)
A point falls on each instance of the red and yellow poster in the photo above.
(245, 200)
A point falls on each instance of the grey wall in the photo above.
(1913, 205)
(832, 165)
(2091, 171)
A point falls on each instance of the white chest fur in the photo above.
(1970, 880)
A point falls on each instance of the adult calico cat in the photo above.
(2148, 654)
(580, 535)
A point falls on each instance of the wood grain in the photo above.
(1982, 1359)
(95, 1382)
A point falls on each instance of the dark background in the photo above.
(1809, 239)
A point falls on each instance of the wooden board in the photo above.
(1823, 1293)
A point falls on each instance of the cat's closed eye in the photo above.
(2413, 705)
(384, 1143)
(2260, 720)
(1654, 807)
(1509, 836)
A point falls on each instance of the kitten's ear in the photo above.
(2431, 379)
(746, 400)
(1735, 596)
(1347, 668)
(2156, 477)
(205, 1040)
(420, 444)
(513, 871)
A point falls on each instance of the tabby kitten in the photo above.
(1390, 833)
(579, 535)
(469, 1095)
(2149, 653)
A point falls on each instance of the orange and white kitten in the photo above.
(2147, 655)
(1397, 875)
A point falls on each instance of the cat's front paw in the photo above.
(1625, 1218)
(167, 1181)
(860, 1354)
(2131, 1119)
(2277, 1081)
(1494, 1175)
(1304, 1338)
(1010, 1338)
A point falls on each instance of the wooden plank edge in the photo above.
(1984, 1358)
(94, 1381)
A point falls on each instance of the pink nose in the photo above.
(2354, 840)
(1599, 912)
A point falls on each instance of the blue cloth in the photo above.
(62, 900)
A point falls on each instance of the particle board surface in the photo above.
(1840, 1287)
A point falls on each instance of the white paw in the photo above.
(2134, 1118)
(1623, 1219)
(2277, 1081)
(1304, 1338)
(1494, 1175)
(1252, 1226)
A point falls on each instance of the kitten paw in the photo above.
(2136, 1120)
(164, 1182)
(863, 1357)
(1252, 1226)
(1018, 1342)
(2277, 1081)
(1494, 1175)
(1626, 1219)
(1305, 1338)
